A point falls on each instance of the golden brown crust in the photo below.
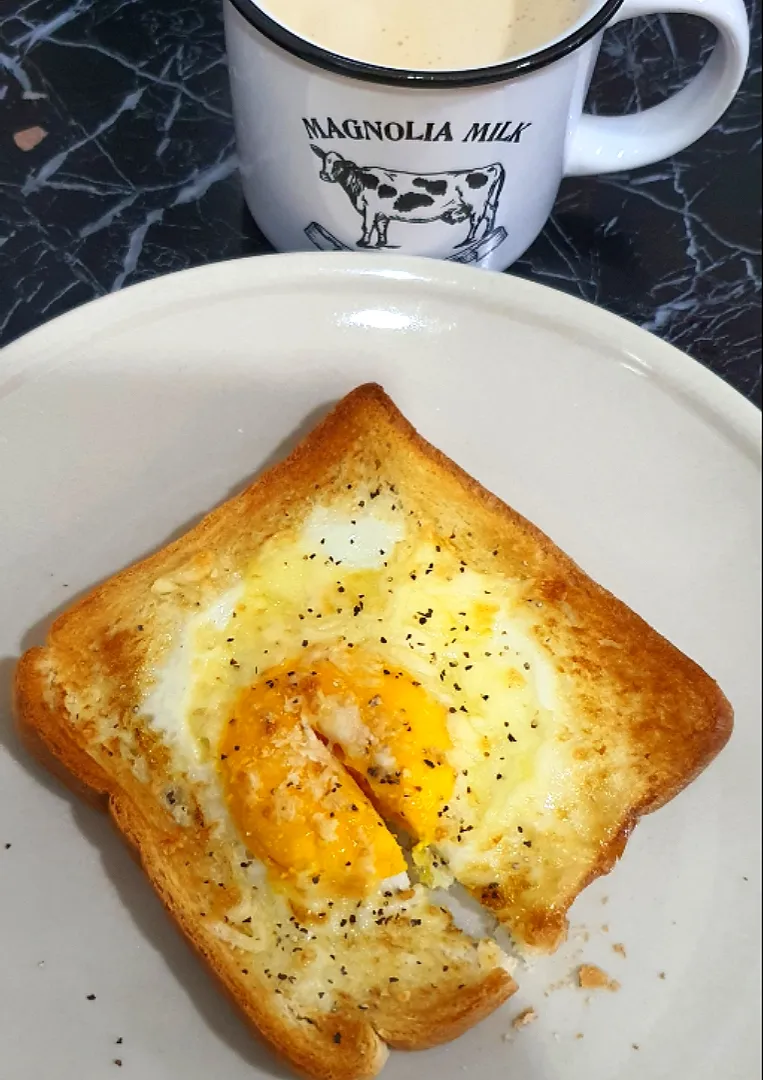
(441, 1019)
(681, 719)
(346, 1047)
(44, 731)
(673, 714)
(101, 636)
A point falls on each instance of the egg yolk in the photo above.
(392, 735)
(295, 806)
(308, 752)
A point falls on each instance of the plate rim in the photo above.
(707, 389)
(691, 386)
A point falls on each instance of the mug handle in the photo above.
(604, 144)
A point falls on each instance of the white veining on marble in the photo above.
(137, 176)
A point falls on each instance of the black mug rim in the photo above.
(358, 69)
(427, 80)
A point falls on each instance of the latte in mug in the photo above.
(443, 127)
(428, 34)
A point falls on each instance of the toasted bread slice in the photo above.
(414, 982)
(466, 678)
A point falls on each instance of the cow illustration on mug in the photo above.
(384, 195)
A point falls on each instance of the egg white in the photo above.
(350, 578)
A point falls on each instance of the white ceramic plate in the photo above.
(124, 421)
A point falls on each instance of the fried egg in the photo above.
(360, 680)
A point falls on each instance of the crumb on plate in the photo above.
(591, 977)
(527, 1016)
(566, 983)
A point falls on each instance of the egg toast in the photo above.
(363, 645)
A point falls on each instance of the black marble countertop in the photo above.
(136, 176)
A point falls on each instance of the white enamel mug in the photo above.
(337, 154)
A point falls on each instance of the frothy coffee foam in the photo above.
(428, 34)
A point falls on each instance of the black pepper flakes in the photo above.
(337, 1037)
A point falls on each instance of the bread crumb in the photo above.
(605, 928)
(635, 1046)
(29, 138)
(580, 1035)
(527, 1016)
(661, 975)
(605, 899)
(620, 950)
(566, 983)
(591, 977)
